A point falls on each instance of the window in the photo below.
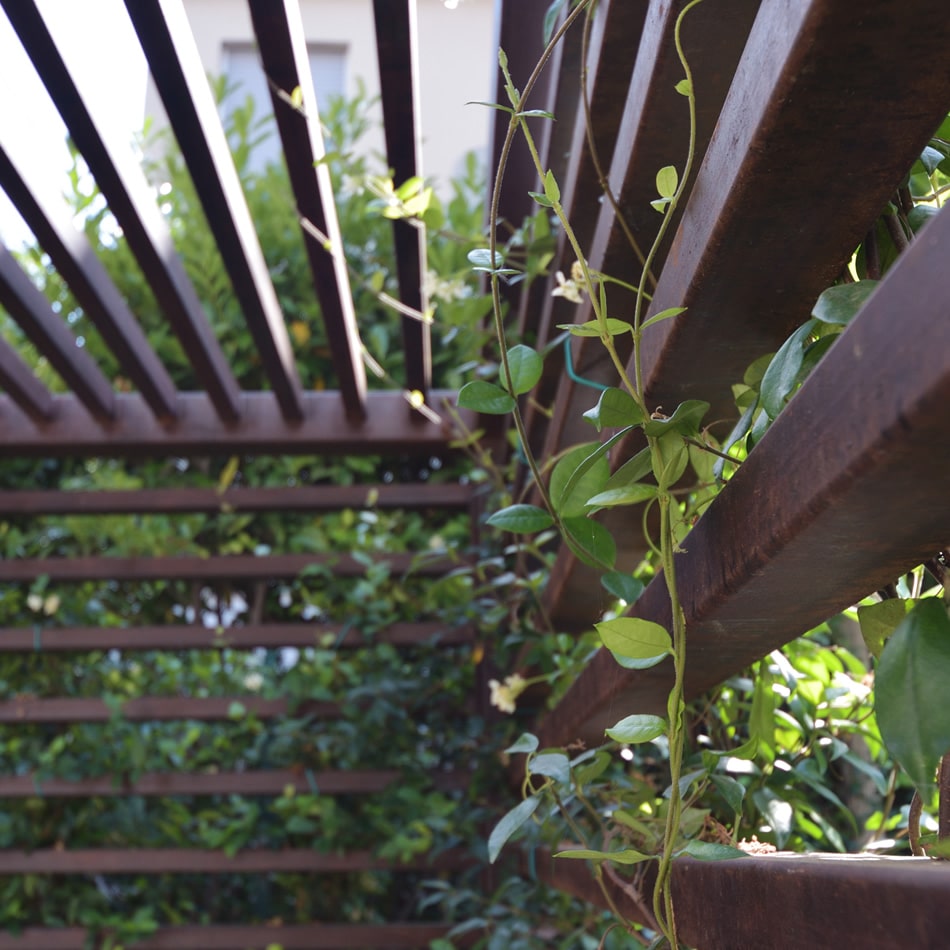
(242, 67)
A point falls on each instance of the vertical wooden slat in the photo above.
(397, 49)
(163, 30)
(52, 338)
(75, 260)
(283, 51)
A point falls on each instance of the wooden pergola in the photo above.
(845, 492)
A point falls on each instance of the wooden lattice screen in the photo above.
(786, 90)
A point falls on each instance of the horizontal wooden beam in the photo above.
(319, 936)
(198, 861)
(388, 428)
(789, 901)
(195, 637)
(220, 568)
(447, 496)
(845, 492)
(273, 782)
(30, 709)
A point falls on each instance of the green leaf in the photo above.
(592, 327)
(911, 691)
(236, 710)
(762, 715)
(662, 315)
(672, 459)
(616, 407)
(581, 473)
(590, 542)
(481, 257)
(630, 495)
(686, 419)
(660, 204)
(591, 771)
(554, 765)
(551, 190)
(666, 181)
(526, 366)
(526, 743)
(731, 790)
(930, 158)
(632, 470)
(550, 19)
(623, 586)
(684, 87)
(637, 728)
(879, 621)
(536, 114)
(710, 851)
(521, 519)
(781, 377)
(485, 397)
(627, 856)
(838, 305)
(541, 199)
(643, 642)
(509, 825)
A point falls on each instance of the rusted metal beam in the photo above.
(175, 63)
(217, 568)
(787, 901)
(194, 637)
(845, 492)
(49, 334)
(326, 429)
(130, 200)
(273, 782)
(197, 861)
(74, 259)
(30, 709)
(322, 936)
(23, 388)
(283, 51)
(751, 254)
(397, 50)
(447, 496)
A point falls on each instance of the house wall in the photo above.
(457, 64)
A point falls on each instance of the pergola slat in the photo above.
(448, 496)
(865, 441)
(75, 260)
(283, 52)
(215, 568)
(30, 709)
(785, 100)
(130, 201)
(194, 637)
(50, 335)
(197, 861)
(788, 901)
(319, 936)
(325, 429)
(23, 388)
(166, 38)
(272, 782)
(397, 49)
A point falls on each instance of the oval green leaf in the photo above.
(666, 181)
(616, 407)
(591, 543)
(526, 743)
(911, 691)
(554, 765)
(569, 494)
(710, 851)
(839, 305)
(630, 495)
(623, 586)
(637, 728)
(634, 638)
(509, 825)
(521, 519)
(526, 366)
(627, 856)
(485, 397)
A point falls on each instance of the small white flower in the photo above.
(253, 681)
(503, 695)
(568, 289)
(35, 603)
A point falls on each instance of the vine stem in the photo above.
(514, 124)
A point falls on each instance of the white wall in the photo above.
(457, 64)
